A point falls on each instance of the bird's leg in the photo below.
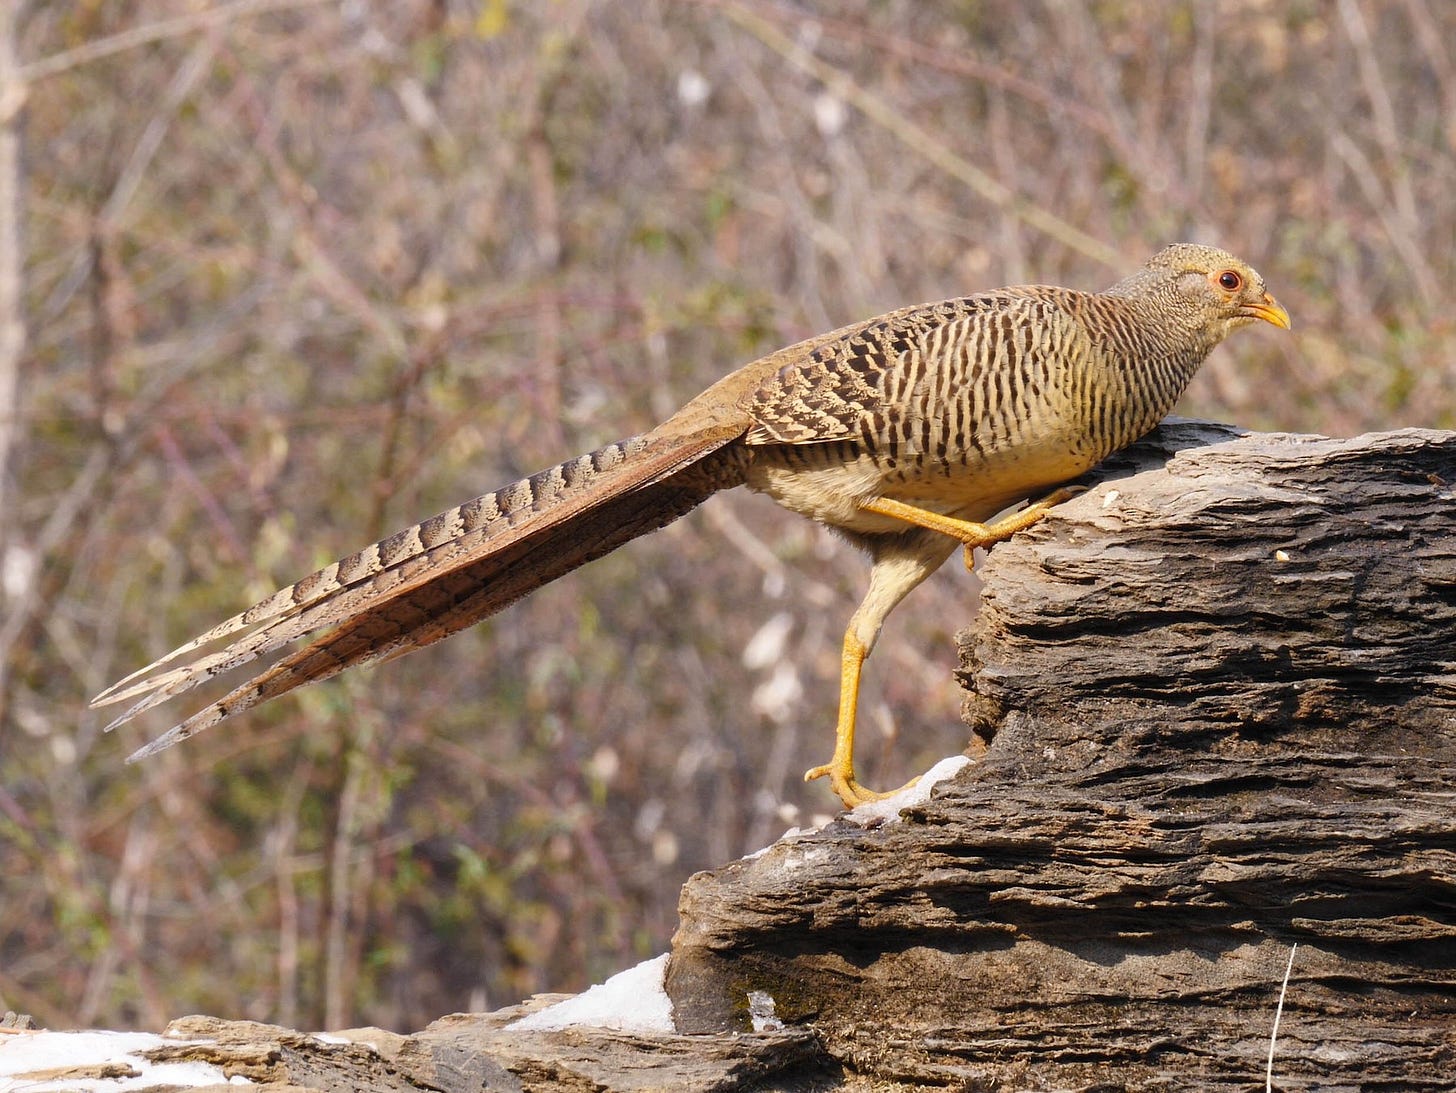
(970, 533)
(840, 768)
(899, 567)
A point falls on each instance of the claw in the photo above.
(1057, 496)
(1005, 528)
(841, 780)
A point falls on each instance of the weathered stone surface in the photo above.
(1221, 713)
(476, 1052)
(473, 1051)
(1266, 586)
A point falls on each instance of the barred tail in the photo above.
(433, 579)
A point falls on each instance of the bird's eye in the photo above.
(1230, 281)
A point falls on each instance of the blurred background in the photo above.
(294, 273)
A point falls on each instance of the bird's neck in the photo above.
(1160, 306)
(1154, 350)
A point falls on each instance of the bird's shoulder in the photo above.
(821, 392)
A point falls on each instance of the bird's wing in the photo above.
(850, 387)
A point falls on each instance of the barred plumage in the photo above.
(904, 433)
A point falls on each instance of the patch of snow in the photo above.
(763, 1013)
(886, 810)
(889, 809)
(27, 1053)
(631, 1001)
(791, 833)
(330, 1038)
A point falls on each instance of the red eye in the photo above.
(1230, 281)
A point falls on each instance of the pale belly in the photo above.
(828, 485)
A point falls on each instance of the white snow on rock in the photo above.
(886, 811)
(631, 1001)
(763, 1012)
(889, 809)
(24, 1054)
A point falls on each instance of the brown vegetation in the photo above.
(295, 274)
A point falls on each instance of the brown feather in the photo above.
(413, 596)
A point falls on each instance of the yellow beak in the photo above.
(1270, 311)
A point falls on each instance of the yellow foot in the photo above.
(1056, 497)
(969, 532)
(1008, 526)
(841, 780)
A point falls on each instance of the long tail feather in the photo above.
(432, 580)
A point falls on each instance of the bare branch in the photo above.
(155, 32)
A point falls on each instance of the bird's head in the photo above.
(1211, 289)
